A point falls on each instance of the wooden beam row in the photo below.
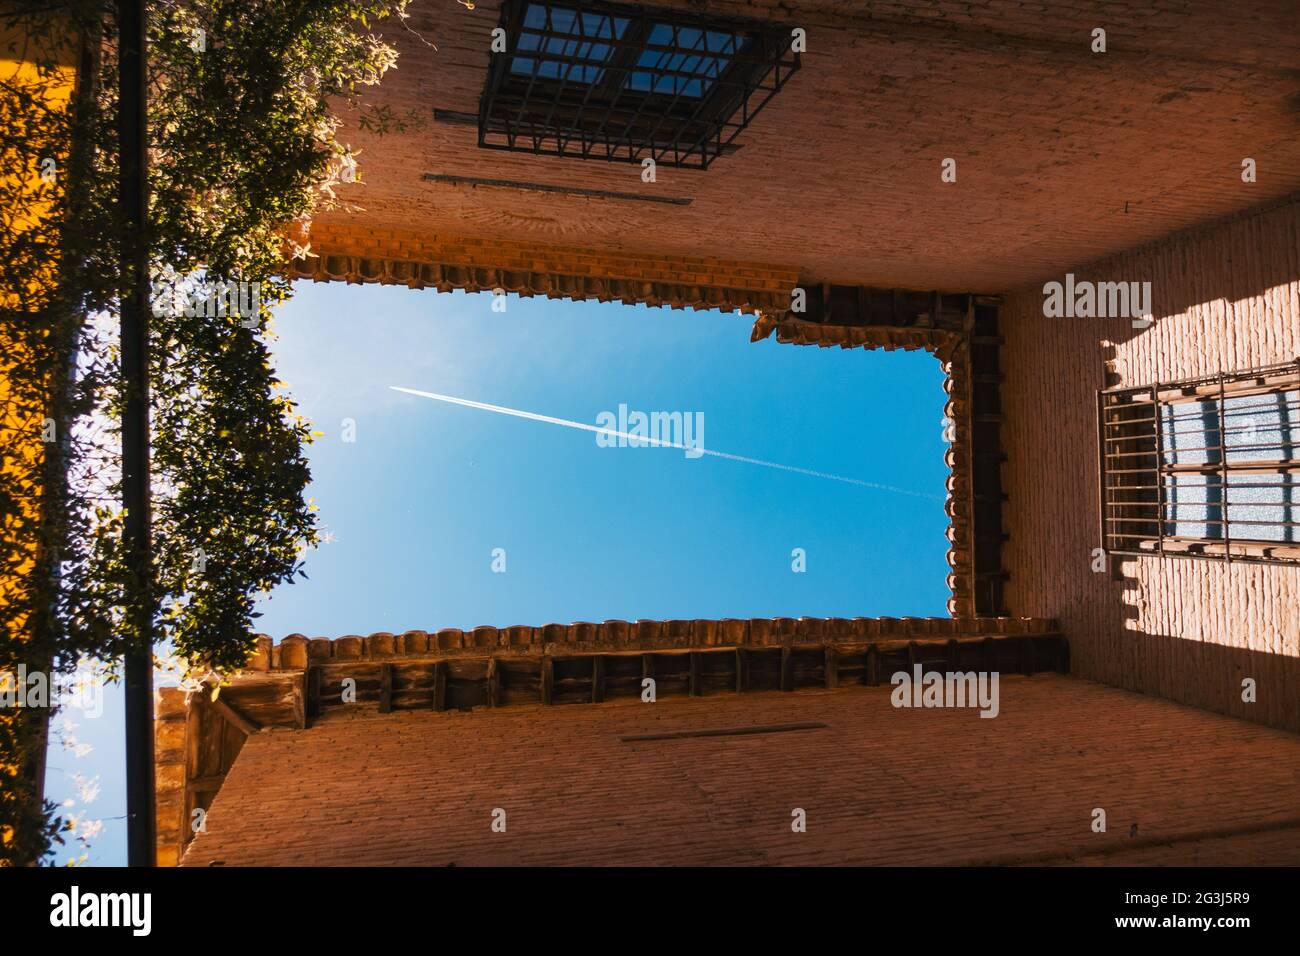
(296, 651)
(493, 681)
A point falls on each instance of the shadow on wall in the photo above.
(1255, 685)
(1187, 629)
(1196, 268)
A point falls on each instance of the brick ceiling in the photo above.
(1063, 155)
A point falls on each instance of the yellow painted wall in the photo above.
(20, 417)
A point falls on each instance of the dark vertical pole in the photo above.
(133, 195)
(1159, 470)
(1103, 482)
(1223, 474)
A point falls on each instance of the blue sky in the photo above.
(417, 502)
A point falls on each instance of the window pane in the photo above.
(1190, 432)
(1194, 506)
(683, 61)
(1262, 427)
(1256, 505)
(576, 56)
(1264, 507)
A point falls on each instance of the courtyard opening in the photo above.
(810, 481)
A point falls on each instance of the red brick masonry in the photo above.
(880, 786)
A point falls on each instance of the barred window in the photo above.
(1206, 467)
(596, 80)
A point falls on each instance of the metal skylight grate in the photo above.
(601, 81)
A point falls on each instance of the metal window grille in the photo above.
(596, 80)
(1206, 467)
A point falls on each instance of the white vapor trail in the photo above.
(533, 416)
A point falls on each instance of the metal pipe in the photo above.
(134, 304)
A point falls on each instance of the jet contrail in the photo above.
(533, 416)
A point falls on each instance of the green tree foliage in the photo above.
(244, 132)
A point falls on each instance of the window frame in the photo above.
(1126, 524)
(571, 118)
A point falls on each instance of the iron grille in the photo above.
(1205, 467)
(603, 81)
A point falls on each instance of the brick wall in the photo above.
(1226, 296)
(881, 786)
(1063, 155)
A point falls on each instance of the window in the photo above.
(1207, 468)
(602, 81)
